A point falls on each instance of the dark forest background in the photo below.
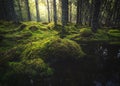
(93, 13)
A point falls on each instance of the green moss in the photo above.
(61, 49)
(27, 69)
(114, 31)
(86, 32)
(114, 34)
(101, 35)
(115, 43)
(31, 67)
(33, 49)
(13, 54)
(51, 25)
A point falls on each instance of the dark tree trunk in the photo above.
(20, 10)
(2, 10)
(96, 10)
(10, 11)
(37, 11)
(55, 12)
(79, 7)
(70, 11)
(48, 9)
(28, 10)
(64, 12)
(116, 14)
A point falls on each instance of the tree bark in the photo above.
(37, 11)
(55, 12)
(28, 10)
(96, 10)
(79, 7)
(48, 9)
(20, 10)
(64, 12)
(70, 11)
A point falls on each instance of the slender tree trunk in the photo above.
(2, 11)
(90, 13)
(51, 10)
(20, 10)
(79, 7)
(55, 12)
(37, 10)
(48, 8)
(96, 10)
(64, 12)
(70, 12)
(28, 10)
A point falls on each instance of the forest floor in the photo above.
(12, 34)
(28, 37)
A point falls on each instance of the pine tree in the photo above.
(37, 10)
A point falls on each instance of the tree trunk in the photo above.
(70, 12)
(2, 11)
(64, 12)
(79, 7)
(20, 10)
(37, 11)
(55, 12)
(96, 10)
(28, 10)
(48, 8)
(11, 14)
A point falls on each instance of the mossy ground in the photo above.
(34, 35)
(28, 45)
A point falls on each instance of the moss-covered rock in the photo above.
(61, 49)
(21, 73)
(53, 49)
(86, 32)
(31, 67)
(114, 33)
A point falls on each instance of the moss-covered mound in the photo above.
(62, 49)
(30, 67)
(52, 49)
(20, 73)
(86, 32)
